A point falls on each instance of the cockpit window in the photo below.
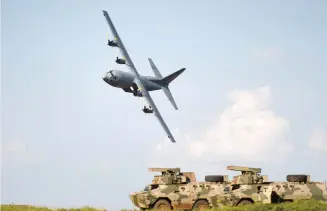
(112, 75)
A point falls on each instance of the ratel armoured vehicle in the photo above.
(251, 187)
(180, 190)
(174, 189)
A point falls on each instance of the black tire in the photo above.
(297, 178)
(214, 178)
(162, 205)
(244, 202)
(201, 205)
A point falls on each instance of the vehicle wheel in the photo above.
(201, 205)
(214, 178)
(162, 205)
(244, 202)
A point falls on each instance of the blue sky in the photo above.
(253, 93)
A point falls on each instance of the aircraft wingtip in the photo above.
(172, 139)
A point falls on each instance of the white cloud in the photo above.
(318, 139)
(246, 131)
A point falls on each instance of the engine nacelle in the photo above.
(120, 61)
(112, 43)
(147, 110)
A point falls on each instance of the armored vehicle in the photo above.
(174, 189)
(251, 187)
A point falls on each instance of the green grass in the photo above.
(303, 205)
(13, 207)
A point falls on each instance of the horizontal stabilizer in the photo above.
(168, 79)
(169, 96)
(155, 69)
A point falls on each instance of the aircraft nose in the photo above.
(105, 78)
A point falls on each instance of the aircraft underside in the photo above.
(125, 81)
(139, 85)
(135, 89)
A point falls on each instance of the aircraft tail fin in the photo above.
(168, 79)
(165, 81)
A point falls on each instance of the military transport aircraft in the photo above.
(138, 84)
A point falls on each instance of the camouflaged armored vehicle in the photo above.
(174, 189)
(251, 187)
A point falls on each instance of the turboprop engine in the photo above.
(120, 61)
(112, 43)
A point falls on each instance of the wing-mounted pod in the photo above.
(147, 110)
(120, 61)
(112, 43)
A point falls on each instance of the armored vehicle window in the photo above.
(226, 189)
(154, 187)
(188, 180)
(235, 187)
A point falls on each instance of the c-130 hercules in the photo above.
(138, 84)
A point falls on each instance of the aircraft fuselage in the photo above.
(125, 80)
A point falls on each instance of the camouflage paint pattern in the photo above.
(300, 190)
(234, 194)
(183, 191)
(251, 186)
(181, 196)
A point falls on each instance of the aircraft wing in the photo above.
(122, 48)
(138, 82)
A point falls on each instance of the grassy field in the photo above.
(303, 205)
(311, 205)
(11, 207)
